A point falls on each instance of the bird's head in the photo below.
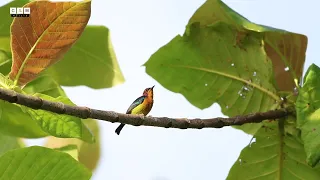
(148, 92)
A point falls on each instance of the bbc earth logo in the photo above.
(20, 11)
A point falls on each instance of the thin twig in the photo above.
(136, 120)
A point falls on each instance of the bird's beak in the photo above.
(152, 87)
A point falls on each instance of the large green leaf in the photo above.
(91, 61)
(222, 57)
(72, 126)
(206, 67)
(8, 143)
(273, 156)
(22, 121)
(308, 114)
(58, 125)
(38, 163)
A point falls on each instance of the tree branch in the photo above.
(136, 120)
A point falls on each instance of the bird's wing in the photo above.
(135, 103)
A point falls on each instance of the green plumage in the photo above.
(135, 104)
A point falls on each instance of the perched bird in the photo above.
(141, 105)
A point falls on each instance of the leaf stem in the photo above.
(297, 83)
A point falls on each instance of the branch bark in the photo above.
(137, 120)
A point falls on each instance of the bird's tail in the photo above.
(119, 128)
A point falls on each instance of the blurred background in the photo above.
(138, 29)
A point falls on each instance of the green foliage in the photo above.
(70, 149)
(13, 119)
(5, 61)
(274, 155)
(224, 56)
(89, 153)
(40, 123)
(58, 125)
(226, 59)
(283, 48)
(9, 143)
(228, 75)
(95, 65)
(38, 163)
(221, 58)
(45, 85)
(5, 49)
(308, 114)
(15, 122)
(6, 20)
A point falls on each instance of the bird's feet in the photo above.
(141, 116)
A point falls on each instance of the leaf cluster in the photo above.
(242, 66)
(53, 49)
(247, 68)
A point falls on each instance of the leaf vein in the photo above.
(271, 94)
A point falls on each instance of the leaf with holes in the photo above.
(59, 125)
(42, 39)
(308, 114)
(273, 156)
(40, 163)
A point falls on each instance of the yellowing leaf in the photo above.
(42, 39)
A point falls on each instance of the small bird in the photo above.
(141, 105)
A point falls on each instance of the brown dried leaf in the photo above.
(287, 52)
(43, 38)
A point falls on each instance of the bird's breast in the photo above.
(143, 108)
